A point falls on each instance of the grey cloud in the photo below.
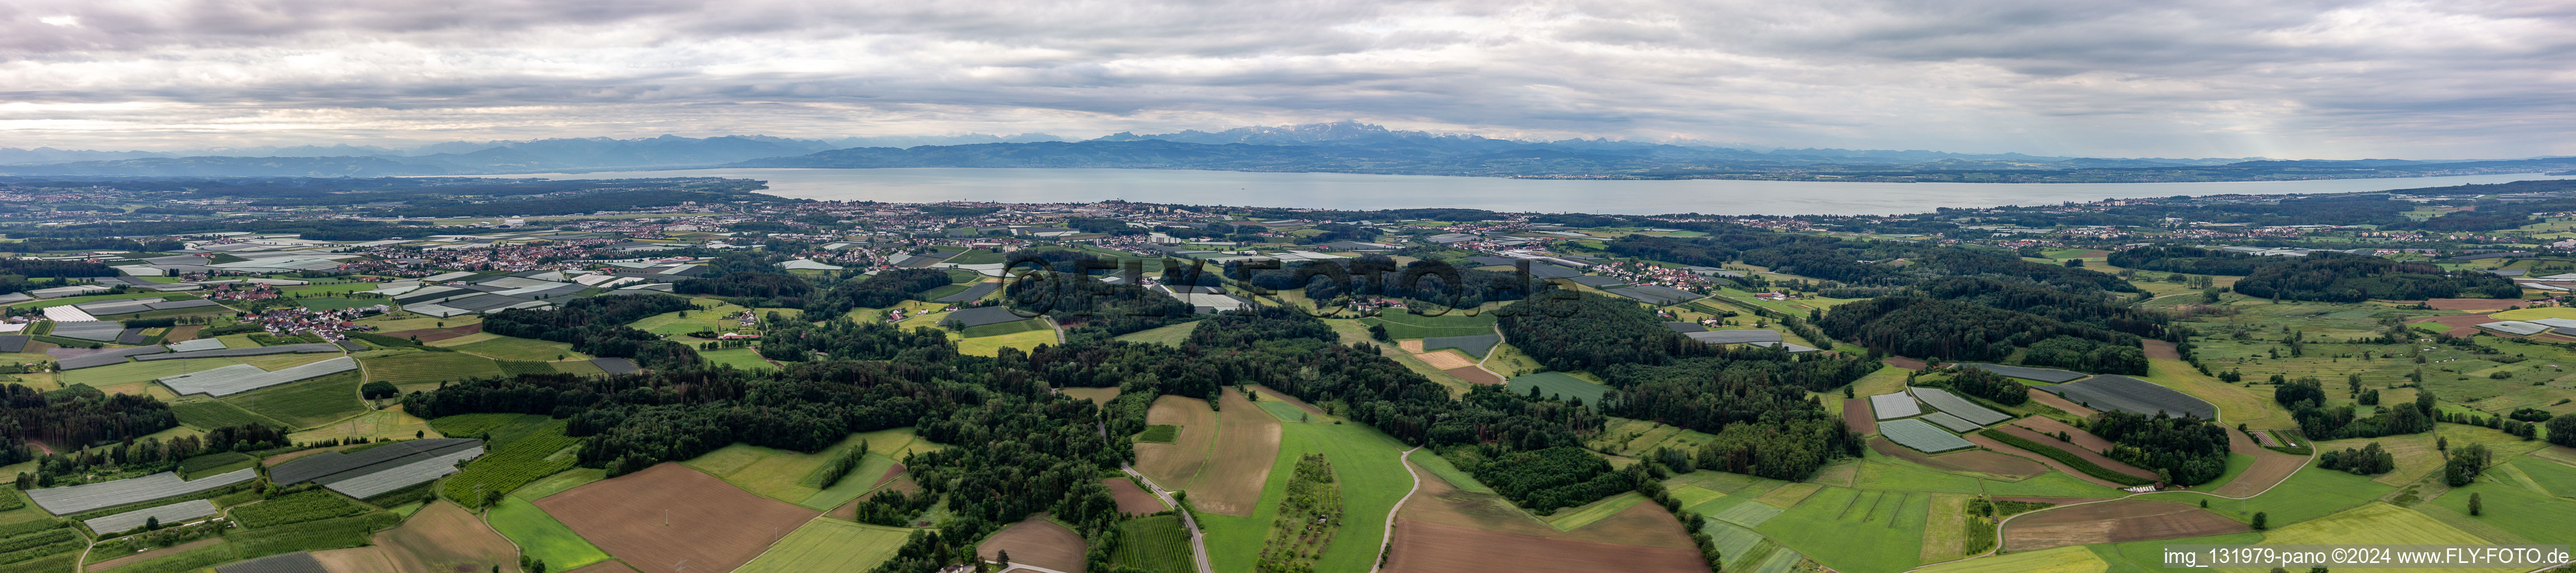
(2300, 78)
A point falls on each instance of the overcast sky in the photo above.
(2285, 78)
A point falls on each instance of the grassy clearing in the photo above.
(2375, 523)
(1559, 384)
(2514, 511)
(710, 315)
(388, 423)
(1573, 518)
(541, 537)
(739, 358)
(1166, 335)
(559, 482)
(308, 403)
(830, 545)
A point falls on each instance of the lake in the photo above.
(1366, 192)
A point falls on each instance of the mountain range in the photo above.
(1344, 147)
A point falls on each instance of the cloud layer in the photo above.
(2171, 79)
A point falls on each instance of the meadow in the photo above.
(1859, 531)
(993, 345)
(421, 370)
(1559, 384)
(789, 476)
(511, 348)
(830, 545)
(1372, 478)
(2309, 494)
(1171, 335)
(740, 358)
(209, 414)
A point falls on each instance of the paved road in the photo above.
(1389, 538)
(1198, 539)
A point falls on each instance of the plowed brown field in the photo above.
(2113, 522)
(1856, 413)
(1245, 447)
(1039, 542)
(1424, 547)
(1999, 446)
(1132, 499)
(1175, 463)
(1475, 375)
(2163, 349)
(2089, 455)
(2061, 403)
(2051, 427)
(1644, 524)
(669, 516)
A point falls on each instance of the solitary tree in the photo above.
(2259, 521)
(2476, 506)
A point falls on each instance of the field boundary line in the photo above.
(1388, 539)
(1999, 524)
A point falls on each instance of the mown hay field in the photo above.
(667, 514)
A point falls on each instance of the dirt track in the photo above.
(1424, 547)
(1039, 542)
(2113, 522)
(668, 514)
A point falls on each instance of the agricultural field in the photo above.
(541, 536)
(437, 537)
(2059, 560)
(1855, 530)
(834, 545)
(2113, 522)
(710, 315)
(1158, 544)
(792, 477)
(1164, 335)
(1036, 541)
(993, 345)
(509, 464)
(2375, 523)
(1369, 471)
(1247, 441)
(2309, 494)
(204, 414)
(1403, 326)
(657, 518)
(389, 423)
(131, 372)
(306, 404)
(1559, 384)
(742, 358)
(1175, 463)
(499, 347)
(424, 370)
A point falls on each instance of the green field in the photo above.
(710, 315)
(336, 303)
(1401, 326)
(511, 464)
(210, 414)
(213, 464)
(1001, 328)
(1371, 478)
(741, 358)
(428, 368)
(1158, 544)
(469, 425)
(2375, 523)
(308, 403)
(1165, 335)
(141, 371)
(830, 545)
(2069, 559)
(1559, 385)
(559, 482)
(508, 348)
(1440, 467)
(993, 345)
(2555, 478)
(1855, 531)
(792, 477)
(1573, 518)
(2309, 494)
(541, 537)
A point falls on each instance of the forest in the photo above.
(2334, 278)
(1928, 328)
(1752, 398)
(2185, 451)
(75, 418)
(597, 326)
(885, 289)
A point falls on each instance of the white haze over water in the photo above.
(1366, 192)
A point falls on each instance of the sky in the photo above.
(2168, 78)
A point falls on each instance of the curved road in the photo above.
(1389, 537)
(1198, 539)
